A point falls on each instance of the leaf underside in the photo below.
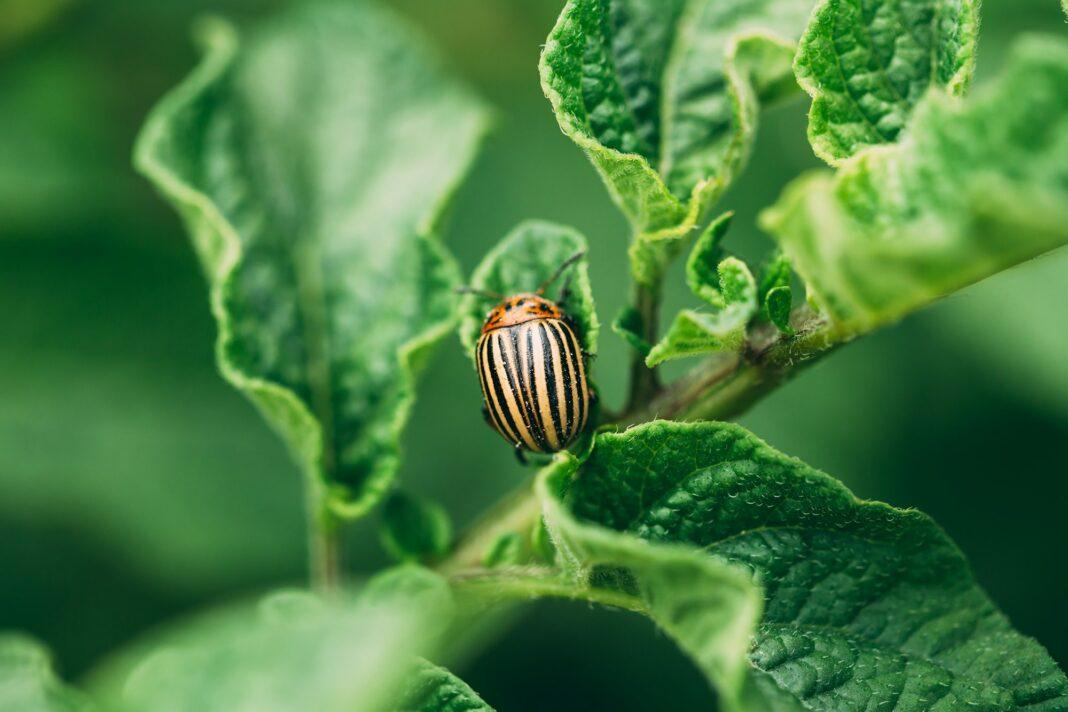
(864, 605)
(662, 96)
(435, 689)
(975, 186)
(311, 161)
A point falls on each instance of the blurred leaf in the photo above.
(505, 550)
(978, 186)
(867, 65)
(862, 602)
(630, 327)
(414, 529)
(694, 333)
(528, 256)
(292, 651)
(435, 689)
(663, 96)
(27, 682)
(311, 163)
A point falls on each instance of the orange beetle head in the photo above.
(519, 309)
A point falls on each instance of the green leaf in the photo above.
(694, 333)
(868, 63)
(774, 293)
(630, 326)
(521, 262)
(662, 96)
(977, 186)
(414, 529)
(292, 651)
(864, 605)
(27, 681)
(435, 689)
(702, 268)
(311, 162)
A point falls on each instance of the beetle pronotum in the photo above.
(533, 370)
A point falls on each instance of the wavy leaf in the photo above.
(311, 162)
(662, 95)
(867, 64)
(974, 187)
(864, 605)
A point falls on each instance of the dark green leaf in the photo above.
(414, 529)
(435, 689)
(528, 256)
(662, 95)
(27, 682)
(979, 185)
(867, 64)
(292, 651)
(311, 162)
(774, 294)
(630, 327)
(702, 268)
(864, 606)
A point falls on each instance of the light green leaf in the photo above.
(435, 689)
(528, 256)
(976, 186)
(777, 305)
(662, 95)
(311, 162)
(694, 333)
(414, 529)
(864, 605)
(27, 681)
(292, 651)
(867, 63)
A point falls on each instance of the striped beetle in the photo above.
(533, 370)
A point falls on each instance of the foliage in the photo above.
(256, 149)
(312, 159)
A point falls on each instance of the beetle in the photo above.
(532, 368)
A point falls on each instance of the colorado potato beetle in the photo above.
(533, 370)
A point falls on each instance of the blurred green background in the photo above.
(135, 485)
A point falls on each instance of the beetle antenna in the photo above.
(479, 293)
(560, 270)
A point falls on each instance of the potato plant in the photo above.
(312, 159)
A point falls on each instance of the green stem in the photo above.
(644, 381)
(722, 387)
(324, 543)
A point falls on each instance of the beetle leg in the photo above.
(520, 454)
(565, 290)
(486, 414)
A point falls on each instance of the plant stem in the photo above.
(722, 387)
(324, 543)
(644, 381)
